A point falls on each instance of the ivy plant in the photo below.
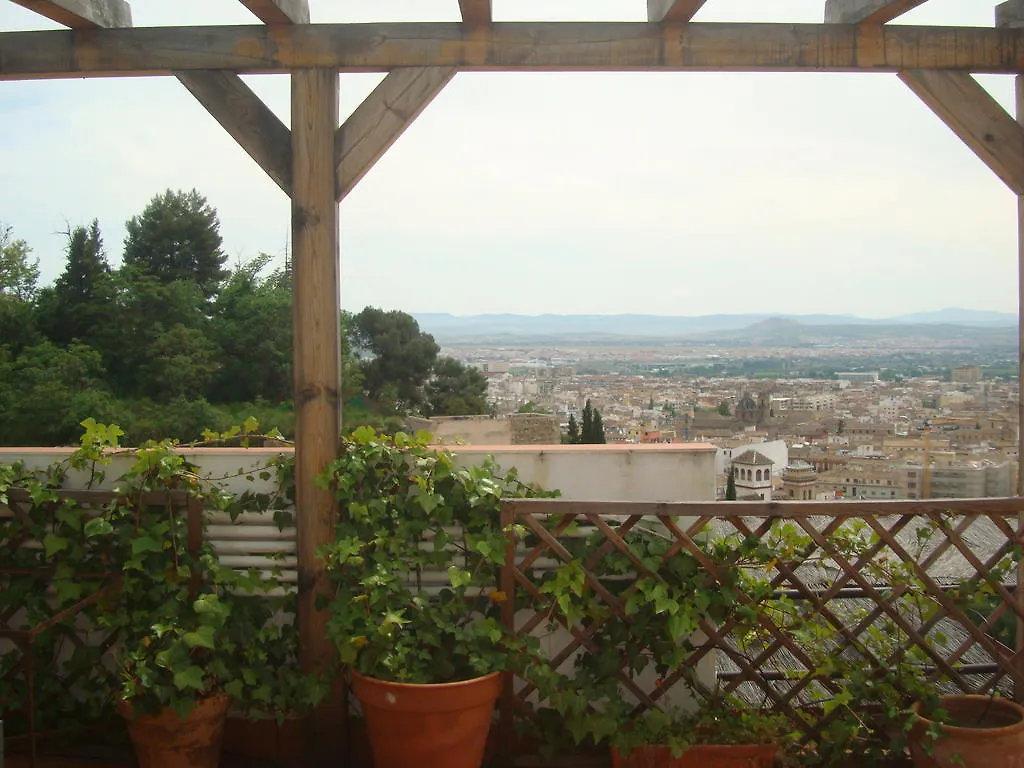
(415, 561)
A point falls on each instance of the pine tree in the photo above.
(587, 424)
(177, 238)
(598, 429)
(80, 301)
(574, 430)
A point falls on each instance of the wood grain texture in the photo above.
(382, 118)
(476, 12)
(279, 11)
(249, 121)
(82, 14)
(518, 46)
(977, 118)
(673, 10)
(1010, 14)
(317, 341)
(867, 11)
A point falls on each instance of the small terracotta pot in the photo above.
(987, 733)
(428, 726)
(699, 756)
(166, 741)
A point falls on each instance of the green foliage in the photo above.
(185, 626)
(18, 273)
(77, 307)
(723, 409)
(396, 358)
(177, 239)
(572, 431)
(252, 326)
(592, 426)
(455, 390)
(414, 564)
(730, 485)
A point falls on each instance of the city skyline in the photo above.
(664, 194)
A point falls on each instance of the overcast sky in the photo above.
(675, 194)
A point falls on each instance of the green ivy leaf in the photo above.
(145, 544)
(98, 526)
(201, 638)
(189, 677)
(52, 544)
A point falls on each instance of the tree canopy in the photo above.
(172, 342)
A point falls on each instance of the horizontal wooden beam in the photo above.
(382, 118)
(673, 10)
(249, 121)
(867, 11)
(1010, 14)
(476, 12)
(977, 118)
(279, 11)
(518, 46)
(82, 14)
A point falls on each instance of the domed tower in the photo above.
(753, 476)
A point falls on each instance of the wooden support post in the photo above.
(673, 10)
(1018, 686)
(383, 116)
(317, 363)
(867, 11)
(978, 119)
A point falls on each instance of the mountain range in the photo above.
(450, 328)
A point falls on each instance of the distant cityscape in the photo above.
(930, 420)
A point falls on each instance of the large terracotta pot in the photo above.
(985, 732)
(699, 756)
(166, 741)
(428, 726)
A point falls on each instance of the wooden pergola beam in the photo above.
(867, 11)
(476, 13)
(519, 46)
(381, 119)
(279, 11)
(82, 14)
(1010, 13)
(977, 118)
(250, 122)
(673, 10)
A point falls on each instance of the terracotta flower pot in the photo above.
(166, 741)
(428, 726)
(983, 733)
(699, 756)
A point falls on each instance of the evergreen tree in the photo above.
(574, 430)
(597, 429)
(79, 303)
(586, 423)
(396, 357)
(455, 390)
(592, 429)
(177, 238)
(730, 485)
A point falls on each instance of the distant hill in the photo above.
(452, 328)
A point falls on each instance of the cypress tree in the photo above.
(730, 485)
(574, 430)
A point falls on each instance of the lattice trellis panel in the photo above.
(922, 587)
(48, 634)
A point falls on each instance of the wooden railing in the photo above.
(855, 565)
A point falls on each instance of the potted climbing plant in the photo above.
(195, 637)
(415, 614)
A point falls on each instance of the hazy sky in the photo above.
(677, 194)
